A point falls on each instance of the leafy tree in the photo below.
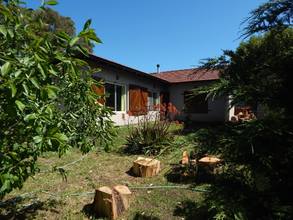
(53, 22)
(256, 179)
(46, 100)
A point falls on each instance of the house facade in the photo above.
(132, 94)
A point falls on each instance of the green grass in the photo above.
(53, 197)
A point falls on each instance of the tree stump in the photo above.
(185, 158)
(111, 203)
(146, 167)
(209, 163)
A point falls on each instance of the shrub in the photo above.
(152, 133)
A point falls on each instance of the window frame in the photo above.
(155, 100)
(123, 93)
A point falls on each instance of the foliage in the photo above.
(258, 72)
(258, 154)
(53, 22)
(255, 178)
(46, 102)
(273, 14)
(151, 135)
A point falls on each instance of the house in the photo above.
(132, 93)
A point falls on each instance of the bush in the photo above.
(258, 160)
(151, 135)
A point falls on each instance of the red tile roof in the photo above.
(188, 75)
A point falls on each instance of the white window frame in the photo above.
(154, 102)
(115, 95)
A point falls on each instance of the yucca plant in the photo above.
(150, 136)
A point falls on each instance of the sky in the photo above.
(177, 34)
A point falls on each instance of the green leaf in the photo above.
(11, 33)
(87, 24)
(51, 2)
(20, 105)
(60, 137)
(6, 186)
(13, 89)
(37, 139)
(42, 71)
(73, 41)
(51, 91)
(3, 30)
(35, 82)
(30, 117)
(5, 69)
(25, 88)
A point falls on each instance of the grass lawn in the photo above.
(48, 195)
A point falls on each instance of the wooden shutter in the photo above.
(144, 101)
(99, 90)
(138, 100)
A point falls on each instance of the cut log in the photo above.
(111, 203)
(185, 158)
(209, 160)
(104, 203)
(209, 163)
(121, 196)
(146, 167)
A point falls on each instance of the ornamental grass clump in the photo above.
(151, 136)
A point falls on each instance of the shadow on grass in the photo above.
(189, 210)
(88, 210)
(189, 175)
(194, 126)
(14, 208)
(139, 216)
(131, 173)
(181, 174)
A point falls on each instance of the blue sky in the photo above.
(176, 34)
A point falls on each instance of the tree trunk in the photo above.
(111, 203)
(146, 167)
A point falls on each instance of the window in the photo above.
(138, 100)
(152, 100)
(115, 96)
(195, 104)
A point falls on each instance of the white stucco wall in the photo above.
(217, 109)
(120, 77)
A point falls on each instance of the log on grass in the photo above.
(111, 203)
(146, 167)
(104, 202)
(185, 158)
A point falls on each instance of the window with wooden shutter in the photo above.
(99, 90)
(115, 96)
(138, 100)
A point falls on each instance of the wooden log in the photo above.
(185, 158)
(209, 160)
(209, 163)
(104, 203)
(111, 203)
(146, 167)
(122, 196)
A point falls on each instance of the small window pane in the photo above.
(119, 94)
(150, 101)
(110, 95)
(155, 98)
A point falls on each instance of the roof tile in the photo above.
(188, 75)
